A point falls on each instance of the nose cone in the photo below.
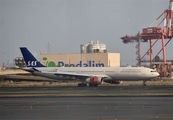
(157, 74)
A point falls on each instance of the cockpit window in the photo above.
(152, 71)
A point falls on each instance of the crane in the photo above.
(153, 35)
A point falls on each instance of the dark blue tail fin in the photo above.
(30, 60)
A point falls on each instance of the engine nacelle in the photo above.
(114, 82)
(94, 81)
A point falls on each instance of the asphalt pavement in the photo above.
(74, 91)
(86, 108)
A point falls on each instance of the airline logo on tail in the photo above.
(30, 60)
(32, 63)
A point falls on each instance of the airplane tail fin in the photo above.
(30, 60)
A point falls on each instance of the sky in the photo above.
(69, 23)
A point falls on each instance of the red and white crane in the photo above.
(154, 33)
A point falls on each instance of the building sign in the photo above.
(90, 63)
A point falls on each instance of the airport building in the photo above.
(81, 60)
(93, 54)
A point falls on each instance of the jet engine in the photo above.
(94, 81)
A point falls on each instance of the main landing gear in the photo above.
(85, 85)
(144, 83)
(82, 85)
(93, 85)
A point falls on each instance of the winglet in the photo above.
(30, 60)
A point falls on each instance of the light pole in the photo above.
(3, 59)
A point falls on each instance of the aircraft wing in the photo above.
(73, 75)
(77, 75)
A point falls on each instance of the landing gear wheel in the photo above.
(92, 85)
(144, 83)
(82, 85)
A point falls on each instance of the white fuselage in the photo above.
(114, 73)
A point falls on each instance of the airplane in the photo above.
(88, 75)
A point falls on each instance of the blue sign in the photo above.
(80, 64)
